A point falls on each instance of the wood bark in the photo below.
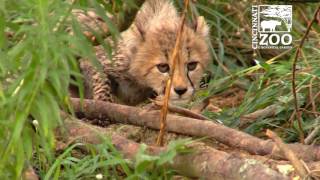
(204, 162)
(189, 126)
(297, 164)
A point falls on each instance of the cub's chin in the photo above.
(175, 100)
(179, 101)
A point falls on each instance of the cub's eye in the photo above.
(192, 65)
(163, 67)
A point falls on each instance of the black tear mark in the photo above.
(192, 85)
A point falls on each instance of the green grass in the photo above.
(270, 79)
(35, 69)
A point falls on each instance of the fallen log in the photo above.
(203, 162)
(189, 126)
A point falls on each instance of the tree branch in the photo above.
(204, 162)
(189, 126)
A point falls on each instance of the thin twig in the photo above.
(164, 110)
(199, 107)
(310, 112)
(296, 163)
(313, 99)
(311, 95)
(298, 114)
(261, 113)
(183, 111)
(314, 132)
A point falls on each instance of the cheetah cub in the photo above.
(141, 62)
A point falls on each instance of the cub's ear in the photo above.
(201, 27)
(139, 30)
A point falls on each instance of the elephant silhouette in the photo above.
(270, 24)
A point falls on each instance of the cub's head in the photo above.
(152, 62)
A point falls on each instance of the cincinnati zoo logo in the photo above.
(271, 26)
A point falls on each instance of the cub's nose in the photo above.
(180, 90)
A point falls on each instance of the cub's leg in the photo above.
(97, 85)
